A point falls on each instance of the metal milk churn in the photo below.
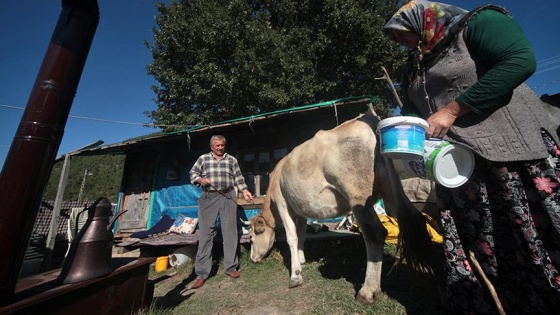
(91, 250)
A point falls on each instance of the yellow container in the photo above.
(161, 263)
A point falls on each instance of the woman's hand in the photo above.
(441, 121)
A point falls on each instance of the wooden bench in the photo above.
(164, 244)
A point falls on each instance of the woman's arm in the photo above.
(498, 43)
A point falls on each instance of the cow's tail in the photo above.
(415, 246)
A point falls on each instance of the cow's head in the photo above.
(262, 238)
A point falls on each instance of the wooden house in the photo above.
(156, 171)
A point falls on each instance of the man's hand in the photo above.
(203, 181)
(247, 195)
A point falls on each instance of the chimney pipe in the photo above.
(35, 145)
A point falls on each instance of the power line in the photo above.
(547, 69)
(546, 60)
(12, 107)
(548, 64)
(85, 118)
(109, 120)
(545, 65)
(105, 121)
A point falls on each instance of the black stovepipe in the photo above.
(31, 156)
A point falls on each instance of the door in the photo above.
(138, 178)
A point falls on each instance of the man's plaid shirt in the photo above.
(224, 173)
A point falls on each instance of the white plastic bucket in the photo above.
(402, 137)
(183, 255)
(443, 162)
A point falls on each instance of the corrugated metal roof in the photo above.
(120, 147)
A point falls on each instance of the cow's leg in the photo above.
(374, 234)
(292, 239)
(301, 226)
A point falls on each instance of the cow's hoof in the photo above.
(295, 282)
(365, 299)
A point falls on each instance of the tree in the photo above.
(105, 179)
(216, 60)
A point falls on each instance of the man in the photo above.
(217, 173)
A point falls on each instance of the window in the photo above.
(247, 163)
(260, 164)
(279, 154)
(264, 162)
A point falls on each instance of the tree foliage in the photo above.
(101, 176)
(216, 60)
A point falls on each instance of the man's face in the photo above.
(218, 147)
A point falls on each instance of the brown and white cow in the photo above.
(338, 171)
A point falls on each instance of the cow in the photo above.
(335, 172)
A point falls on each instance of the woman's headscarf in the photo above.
(433, 21)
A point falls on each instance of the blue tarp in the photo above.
(176, 200)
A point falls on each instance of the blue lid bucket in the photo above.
(402, 137)
(443, 162)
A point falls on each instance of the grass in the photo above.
(333, 275)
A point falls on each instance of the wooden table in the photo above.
(123, 291)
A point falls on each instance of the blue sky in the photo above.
(114, 85)
(114, 89)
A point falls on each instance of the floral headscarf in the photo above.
(433, 21)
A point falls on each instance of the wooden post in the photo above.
(51, 238)
(257, 181)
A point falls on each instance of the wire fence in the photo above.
(44, 216)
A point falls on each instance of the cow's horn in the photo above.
(245, 222)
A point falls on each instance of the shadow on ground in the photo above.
(346, 259)
(181, 291)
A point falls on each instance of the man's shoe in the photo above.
(197, 284)
(234, 274)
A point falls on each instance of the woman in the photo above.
(465, 76)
